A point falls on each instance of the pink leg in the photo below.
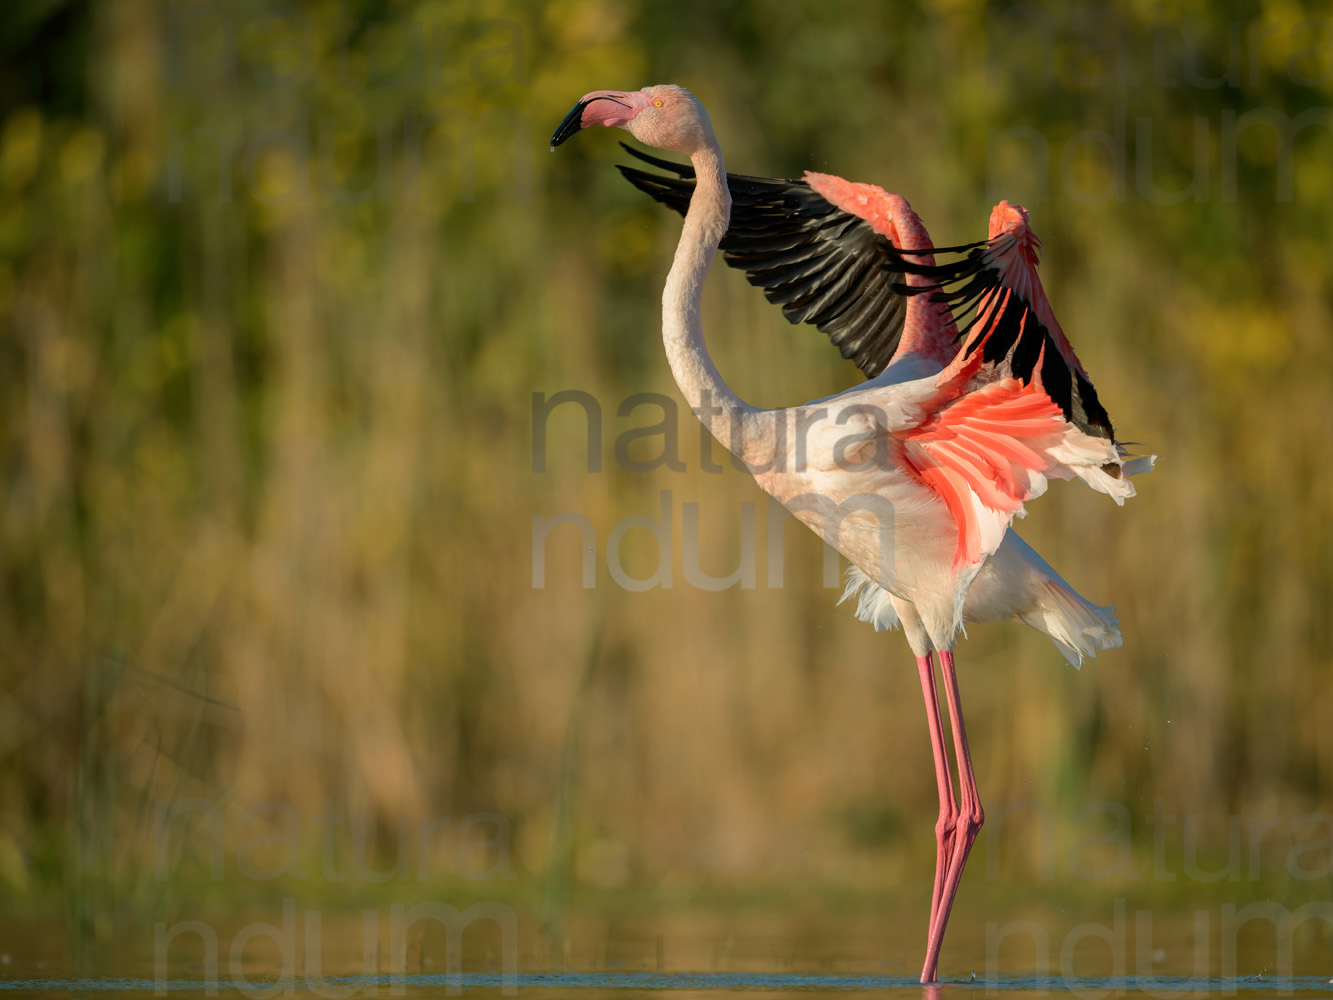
(969, 819)
(944, 826)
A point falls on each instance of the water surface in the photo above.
(310, 953)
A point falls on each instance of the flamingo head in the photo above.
(664, 116)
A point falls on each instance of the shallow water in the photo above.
(305, 952)
(592, 985)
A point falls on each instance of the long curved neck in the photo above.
(730, 419)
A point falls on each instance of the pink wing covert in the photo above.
(984, 455)
(928, 329)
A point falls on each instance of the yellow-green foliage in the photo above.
(277, 289)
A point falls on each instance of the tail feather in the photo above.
(1077, 626)
(1015, 585)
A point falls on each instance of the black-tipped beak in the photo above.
(571, 125)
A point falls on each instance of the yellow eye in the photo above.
(657, 104)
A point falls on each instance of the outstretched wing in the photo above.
(1015, 377)
(1009, 328)
(821, 264)
(1015, 406)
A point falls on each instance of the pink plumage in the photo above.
(929, 329)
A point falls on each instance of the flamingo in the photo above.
(916, 475)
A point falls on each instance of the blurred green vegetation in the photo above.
(278, 285)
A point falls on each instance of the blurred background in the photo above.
(286, 293)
